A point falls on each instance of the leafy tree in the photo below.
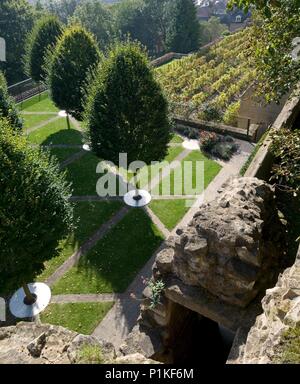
(277, 25)
(182, 31)
(16, 19)
(286, 170)
(211, 30)
(64, 9)
(35, 212)
(75, 54)
(43, 36)
(156, 24)
(97, 18)
(130, 20)
(126, 110)
(8, 108)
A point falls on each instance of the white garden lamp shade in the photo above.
(21, 310)
(143, 200)
(192, 145)
(86, 147)
(62, 114)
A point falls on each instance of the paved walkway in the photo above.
(43, 124)
(81, 298)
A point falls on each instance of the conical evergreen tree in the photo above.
(75, 54)
(126, 109)
(42, 37)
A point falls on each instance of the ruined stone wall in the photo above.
(271, 338)
(217, 267)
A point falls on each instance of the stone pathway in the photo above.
(38, 113)
(43, 124)
(71, 159)
(157, 222)
(82, 298)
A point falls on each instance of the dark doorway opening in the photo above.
(195, 339)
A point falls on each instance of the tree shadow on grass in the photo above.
(88, 218)
(64, 136)
(116, 259)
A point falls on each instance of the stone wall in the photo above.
(217, 266)
(266, 343)
(262, 162)
(31, 343)
(257, 110)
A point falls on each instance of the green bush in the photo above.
(8, 108)
(90, 354)
(42, 37)
(286, 148)
(35, 212)
(222, 147)
(126, 109)
(75, 55)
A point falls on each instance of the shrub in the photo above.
(222, 147)
(42, 37)
(8, 108)
(211, 113)
(35, 212)
(75, 55)
(231, 115)
(224, 150)
(208, 140)
(126, 109)
(286, 170)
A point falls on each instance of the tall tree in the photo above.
(130, 20)
(16, 19)
(64, 9)
(35, 212)
(97, 18)
(8, 108)
(42, 37)
(126, 110)
(211, 30)
(68, 67)
(276, 28)
(182, 32)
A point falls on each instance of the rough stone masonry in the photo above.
(216, 266)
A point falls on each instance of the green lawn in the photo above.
(82, 173)
(79, 317)
(176, 139)
(34, 105)
(170, 212)
(211, 169)
(31, 121)
(89, 217)
(116, 259)
(56, 132)
(148, 173)
(63, 153)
